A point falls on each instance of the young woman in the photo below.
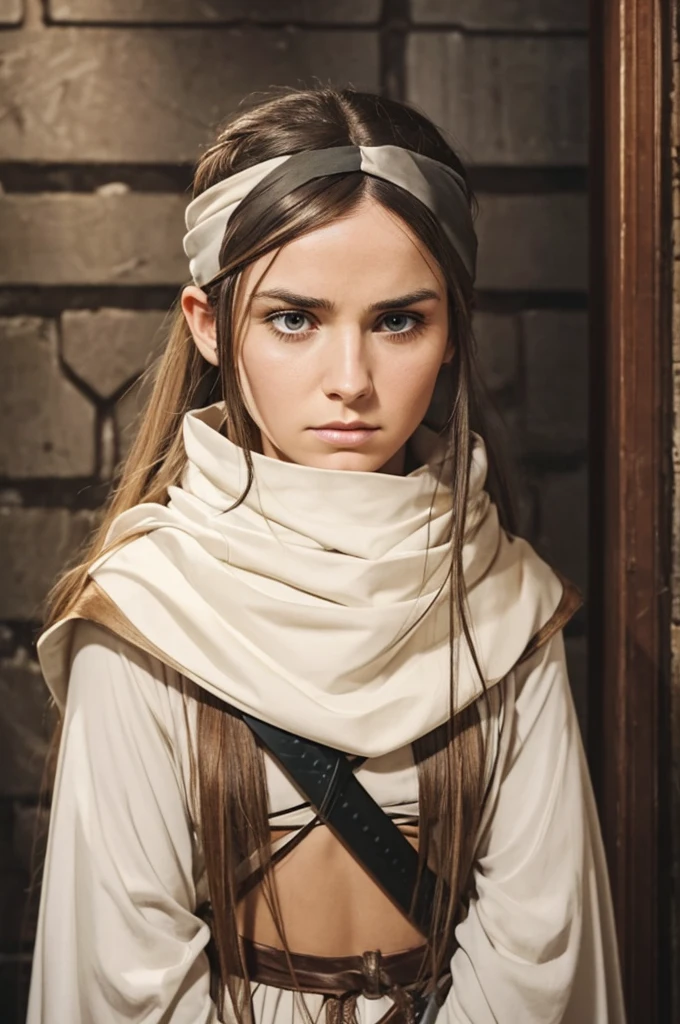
(305, 642)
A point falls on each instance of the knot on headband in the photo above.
(436, 185)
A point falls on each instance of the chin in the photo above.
(328, 459)
(356, 463)
(349, 459)
(344, 460)
(365, 462)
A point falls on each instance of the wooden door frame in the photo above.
(631, 480)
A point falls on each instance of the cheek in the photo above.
(410, 379)
(270, 369)
(274, 381)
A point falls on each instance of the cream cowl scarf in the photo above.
(320, 604)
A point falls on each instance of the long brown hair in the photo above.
(228, 770)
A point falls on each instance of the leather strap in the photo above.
(372, 974)
(324, 775)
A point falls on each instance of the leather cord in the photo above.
(324, 776)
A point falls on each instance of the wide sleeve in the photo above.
(118, 939)
(538, 944)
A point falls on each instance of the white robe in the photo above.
(118, 938)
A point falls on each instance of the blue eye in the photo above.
(400, 323)
(290, 323)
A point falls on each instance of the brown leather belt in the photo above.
(343, 979)
(371, 975)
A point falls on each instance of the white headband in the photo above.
(436, 185)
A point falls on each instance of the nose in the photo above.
(347, 374)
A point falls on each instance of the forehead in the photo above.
(370, 250)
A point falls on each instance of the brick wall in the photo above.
(105, 104)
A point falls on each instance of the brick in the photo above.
(495, 368)
(537, 15)
(63, 239)
(577, 666)
(556, 369)
(8, 640)
(214, 11)
(25, 734)
(502, 100)
(47, 428)
(28, 846)
(106, 348)
(11, 12)
(526, 242)
(563, 540)
(121, 95)
(35, 546)
(127, 415)
(497, 349)
(107, 449)
(525, 496)
(536, 243)
(18, 909)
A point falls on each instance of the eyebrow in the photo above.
(309, 302)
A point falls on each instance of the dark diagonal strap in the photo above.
(324, 775)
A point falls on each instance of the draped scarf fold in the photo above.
(320, 603)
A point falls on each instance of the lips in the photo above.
(344, 436)
(346, 426)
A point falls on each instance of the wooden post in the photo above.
(629, 619)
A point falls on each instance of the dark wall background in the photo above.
(103, 107)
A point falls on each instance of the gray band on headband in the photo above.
(300, 168)
(435, 184)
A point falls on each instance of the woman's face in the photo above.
(347, 323)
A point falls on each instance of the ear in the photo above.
(201, 321)
(449, 351)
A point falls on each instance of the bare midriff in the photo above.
(329, 905)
